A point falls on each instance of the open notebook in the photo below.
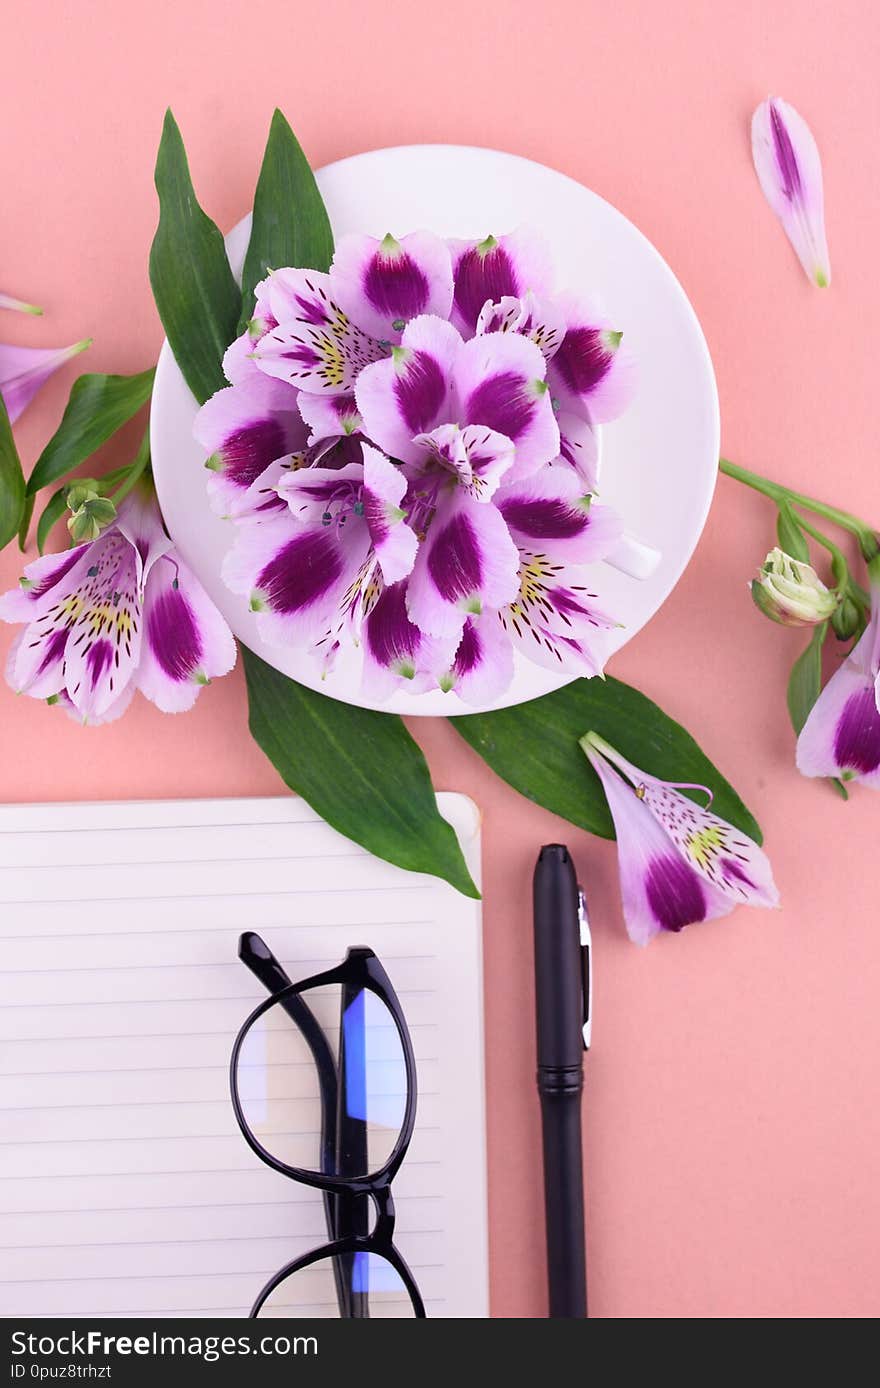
(126, 1187)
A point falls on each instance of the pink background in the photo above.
(731, 1118)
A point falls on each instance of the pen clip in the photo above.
(587, 966)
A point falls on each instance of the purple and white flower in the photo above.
(120, 613)
(679, 863)
(841, 736)
(790, 173)
(407, 449)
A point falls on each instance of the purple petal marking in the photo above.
(550, 518)
(300, 573)
(98, 659)
(420, 389)
(454, 563)
(39, 589)
(729, 868)
(482, 275)
(54, 649)
(675, 893)
(395, 286)
(174, 635)
(470, 651)
(392, 638)
(786, 158)
(376, 516)
(248, 451)
(583, 360)
(857, 739)
(502, 403)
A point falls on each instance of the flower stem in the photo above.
(868, 542)
(142, 459)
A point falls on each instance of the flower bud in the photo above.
(847, 619)
(792, 593)
(92, 513)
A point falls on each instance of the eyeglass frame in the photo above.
(362, 970)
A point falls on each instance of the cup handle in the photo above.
(633, 557)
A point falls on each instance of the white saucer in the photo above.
(659, 460)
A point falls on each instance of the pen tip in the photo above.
(553, 850)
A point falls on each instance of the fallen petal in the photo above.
(789, 169)
(23, 370)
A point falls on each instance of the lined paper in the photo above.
(126, 1188)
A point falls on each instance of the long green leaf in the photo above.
(12, 489)
(24, 524)
(534, 747)
(805, 680)
(361, 771)
(290, 225)
(97, 408)
(791, 537)
(195, 291)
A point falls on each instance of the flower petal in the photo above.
(492, 270)
(329, 417)
(592, 370)
(394, 542)
(660, 890)
(23, 370)
(18, 305)
(579, 447)
(409, 394)
(383, 284)
(549, 511)
(790, 173)
(396, 651)
(35, 664)
(186, 642)
(315, 346)
(483, 665)
(263, 500)
(499, 381)
(140, 522)
(553, 619)
(294, 575)
(243, 429)
(841, 736)
(104, 641)
(466, 562)
(44, 583)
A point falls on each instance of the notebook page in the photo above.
(126, 1187)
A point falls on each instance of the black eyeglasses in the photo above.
(323, 1082)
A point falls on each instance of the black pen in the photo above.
(563, 998)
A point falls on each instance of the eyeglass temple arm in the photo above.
(256, 954)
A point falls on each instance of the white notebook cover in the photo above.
(126, 1188)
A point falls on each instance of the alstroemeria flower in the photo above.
(121, 613)
(679, 863)
(383, 284)
(790, 173)
(403, 476)
(841, 736)
(495, 269)
(23, 370)
(18, 305)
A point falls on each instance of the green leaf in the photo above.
(52, 512)
(97, 408)
(534, 747)
(12, 489)
(195, 291)
(791, 537)
(290, 225)
(805, 680)
(361, 771)
(25, 523)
